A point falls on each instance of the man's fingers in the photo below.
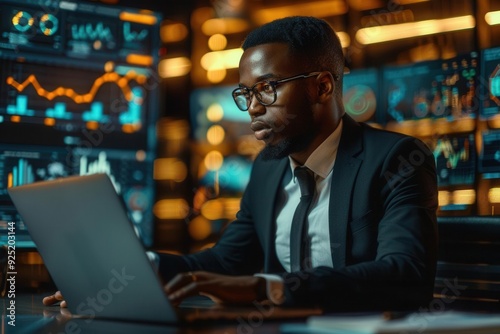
(52, 299)
(180, 281)
(187, 291)
(59, 295)
(49, 300)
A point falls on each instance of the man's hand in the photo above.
(56, 297)
(222, 288)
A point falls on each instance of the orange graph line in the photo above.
(121, 81)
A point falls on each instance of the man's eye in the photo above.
(267, 88)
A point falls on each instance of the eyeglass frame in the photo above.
(273, 84)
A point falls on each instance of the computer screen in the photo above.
(489, 159)
(455, 156)
(435, 89)
(490, 83)
(361, 94)
(78, 95)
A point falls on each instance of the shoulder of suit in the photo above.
(382, 133)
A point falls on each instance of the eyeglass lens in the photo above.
(263, 91)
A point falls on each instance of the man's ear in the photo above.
(326, 86)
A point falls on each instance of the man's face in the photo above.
(287, 125)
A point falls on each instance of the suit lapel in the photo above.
(344, 175)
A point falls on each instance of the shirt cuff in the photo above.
(275, 288)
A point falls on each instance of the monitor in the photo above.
(455, 156)
(78, 95)
(490, 83)
(438, 89)
(489, 159)
(361, 94)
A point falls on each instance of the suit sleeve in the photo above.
(401, 274)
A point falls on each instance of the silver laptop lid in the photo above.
(91, 250)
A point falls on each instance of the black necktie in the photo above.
(297, 234)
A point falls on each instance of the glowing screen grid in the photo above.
(78, 95)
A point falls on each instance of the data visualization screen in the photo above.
(361, 94)
(64, 103)
(432, 89)
(490, 78)
(489, 160)
(455, 157)
(78, 95)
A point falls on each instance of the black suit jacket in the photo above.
(382, 219)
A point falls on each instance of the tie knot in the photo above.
(305, 177)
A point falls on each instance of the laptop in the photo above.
(81, 229)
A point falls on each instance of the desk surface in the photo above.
(31, 316)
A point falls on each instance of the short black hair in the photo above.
(309, 38)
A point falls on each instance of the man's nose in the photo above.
(255, 108)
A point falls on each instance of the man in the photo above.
(370, 238)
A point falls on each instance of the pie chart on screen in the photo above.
(360, 102)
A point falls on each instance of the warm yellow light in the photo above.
(231, 207)
(170, 169)
(409, 2)
(218, 60)
(492, 18)
(174, 67)
(391, 32)
(344, 38)
(215, 134)
(308, 8)
(464, 197)
(215, 112)
(494, 195)
(224, 26)
(199, 228)
(173, 32)
(443, 198)
(217, 42)
(172, 129)
(176, 208)
(213, 209)
(221, 208)
(213, 160)
(361, 5)
(216, 76)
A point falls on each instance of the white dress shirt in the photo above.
(318, 250)
(321, 162)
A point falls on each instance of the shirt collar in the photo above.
(322, 159)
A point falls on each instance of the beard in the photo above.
(287, 146)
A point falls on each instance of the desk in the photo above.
(33, 317)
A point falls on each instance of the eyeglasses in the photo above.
(264, 91)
